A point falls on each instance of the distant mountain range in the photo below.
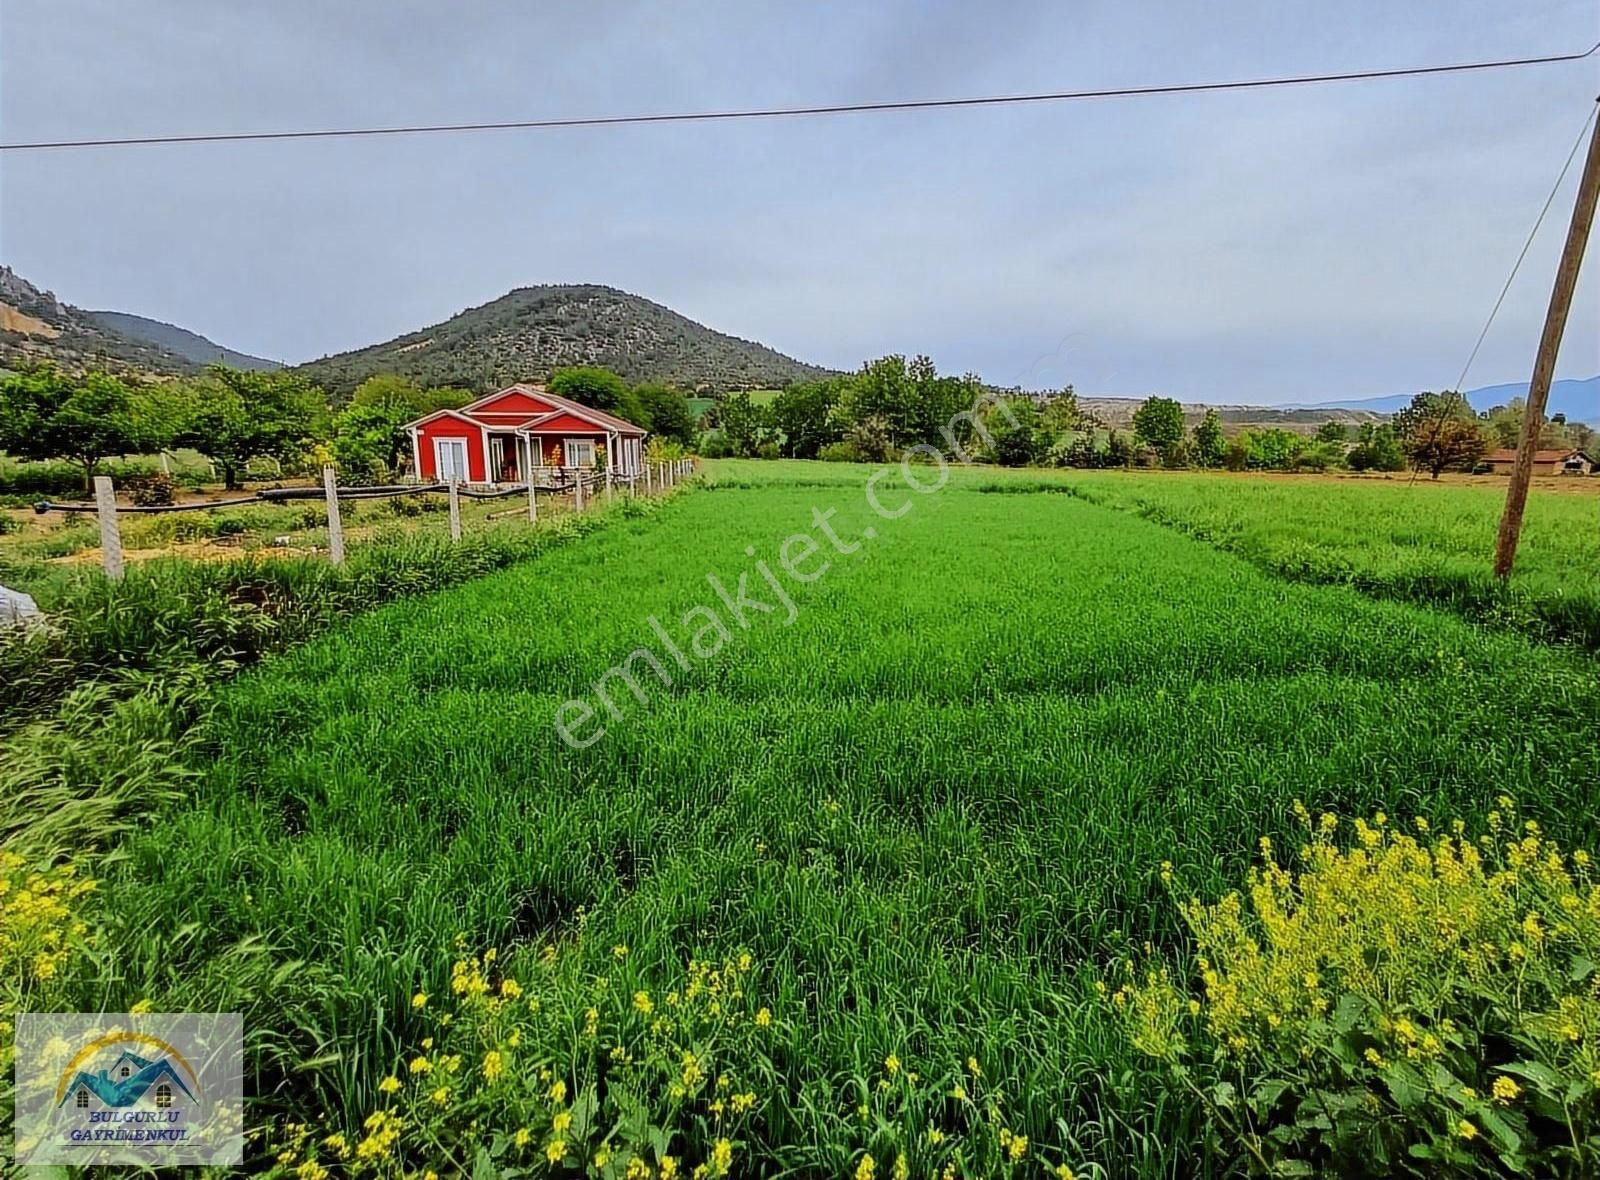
(532, 330)
(1579, 400)
(190, 345)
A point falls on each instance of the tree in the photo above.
(1015, 431)
(802, 414)
(367, 437)
(1158, 424)
(1119, 451)
(600, 389)
(1440, 432)
(47, 414)
(235, 416)
(1449, 444)
(743, 424)
(1332, 432)
(1377, 449)
(667, 414)
(1274, 448)
(1209, 444)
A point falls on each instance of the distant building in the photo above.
(1557, 462)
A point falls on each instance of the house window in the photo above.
(163, 1096)
(580, 452)
(82, 1099)
(125, 1071)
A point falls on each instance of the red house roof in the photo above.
(558, 413)
(1505, 455)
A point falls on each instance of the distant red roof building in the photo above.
(1547, 462)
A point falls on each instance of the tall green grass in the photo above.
(933, 807)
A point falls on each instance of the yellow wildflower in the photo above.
(389, 1084)
(891, 1063)
(764, 1017)
(420, 1000)
(522, 1137)
(555, 1151)
(421, 1065)
(1505, 1090)
(1466, 1130)
(866, 1168)
(642, 1003)
(558, 1091)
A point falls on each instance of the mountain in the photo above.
(1578, 400)
(36, 326)
(532, 330)
(190, 345)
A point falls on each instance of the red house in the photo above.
(521, 432)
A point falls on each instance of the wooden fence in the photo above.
(585, 487)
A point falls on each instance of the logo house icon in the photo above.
(126, 1071)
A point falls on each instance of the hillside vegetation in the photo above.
(36, 326)
(530, 331)
(191, 346)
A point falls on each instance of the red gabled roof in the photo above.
(605, 421)
(600, 417)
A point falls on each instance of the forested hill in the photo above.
(36, 326)
(532, 330)
(190, 345)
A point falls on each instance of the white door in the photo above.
(450, 459)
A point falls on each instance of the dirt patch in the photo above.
(12, 320)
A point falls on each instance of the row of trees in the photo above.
(234, 416)
(889, 405)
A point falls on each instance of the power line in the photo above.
(1443, 405)
(1532, 233)
(795, 112)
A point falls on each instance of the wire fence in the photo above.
(584, 486)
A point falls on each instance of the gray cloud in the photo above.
(1332, 241)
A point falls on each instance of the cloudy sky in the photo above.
(1329, 241)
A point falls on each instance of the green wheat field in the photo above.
(928, 804)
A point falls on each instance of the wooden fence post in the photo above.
(577, 487)
(105, 501)
(608, 481)
(533, 502)
(455, 510)
(330, 488)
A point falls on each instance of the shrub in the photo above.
(1405, 1003)
(839, 452)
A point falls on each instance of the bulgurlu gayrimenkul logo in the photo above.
(129, 1088)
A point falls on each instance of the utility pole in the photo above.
(1544, 365)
